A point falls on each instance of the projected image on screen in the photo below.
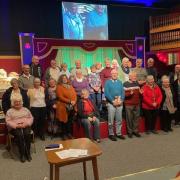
(84, 21)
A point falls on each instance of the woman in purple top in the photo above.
(80, 82)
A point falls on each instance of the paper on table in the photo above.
(71, 153)
(60, 147)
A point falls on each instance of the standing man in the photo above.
(132, 105)
(72, 22)
(78, 67)
(35, 67)
(151, 70)
(26, 80)
(105, 74)
(141, 72)
(114, 94)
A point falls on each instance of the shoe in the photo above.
(154, 132)
(98, 140)
(22, 158)
(130, 135)
(147, 132)
(165, 130)
(70, 136)
(121, 137)
(170, 129)
(112, 138)
(42, 137)
(64, 137)
(136, 134)
(29, 158)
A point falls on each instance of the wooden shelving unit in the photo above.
(165, 32)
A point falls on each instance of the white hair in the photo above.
(115, 61)
(164, 77)
(125, 59)
(150, 60)
(16, 98)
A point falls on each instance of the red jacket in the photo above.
(150, 96)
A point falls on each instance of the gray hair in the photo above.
(164, 77)
(14, 80)
(16, 98)
(149, 77)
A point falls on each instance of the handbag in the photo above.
(69, 107)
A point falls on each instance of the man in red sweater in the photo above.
(132, 104)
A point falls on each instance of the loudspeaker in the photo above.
(140, 48)
(26, 47)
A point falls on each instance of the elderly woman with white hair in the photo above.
(19, 121)
(151, 100)
(168, 104)
(80, 82)
(38, 108)
(12, 92)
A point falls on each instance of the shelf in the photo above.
(165, 46)
(165, 28)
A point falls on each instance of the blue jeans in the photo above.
(87, 127)
(114, 113)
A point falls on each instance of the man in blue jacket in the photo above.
(114, 93)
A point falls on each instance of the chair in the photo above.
(10, 137)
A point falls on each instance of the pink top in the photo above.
(15, 117)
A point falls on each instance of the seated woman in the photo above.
(66, 101)
(12, 92)
(19, 121)
(89, 115)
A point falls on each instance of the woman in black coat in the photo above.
(168, 105)
(12, 92)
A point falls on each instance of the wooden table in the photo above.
(83, 143)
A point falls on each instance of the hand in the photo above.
(141, 91)
(102, 89)
(73, 103)
(54, 106)
(131, 92)
(96, 89)
(154, 104)
(20, 125)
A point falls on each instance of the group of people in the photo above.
(79, 93)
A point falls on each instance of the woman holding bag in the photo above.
(66, 101)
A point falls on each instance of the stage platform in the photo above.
(78, 130)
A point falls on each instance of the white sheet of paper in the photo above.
(70, 153)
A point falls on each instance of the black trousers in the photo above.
(67, 127)
(165, 118)
(23, 139)
(150, 119)
(39, 114)
(177, 116)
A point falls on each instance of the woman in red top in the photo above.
(151, 100)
